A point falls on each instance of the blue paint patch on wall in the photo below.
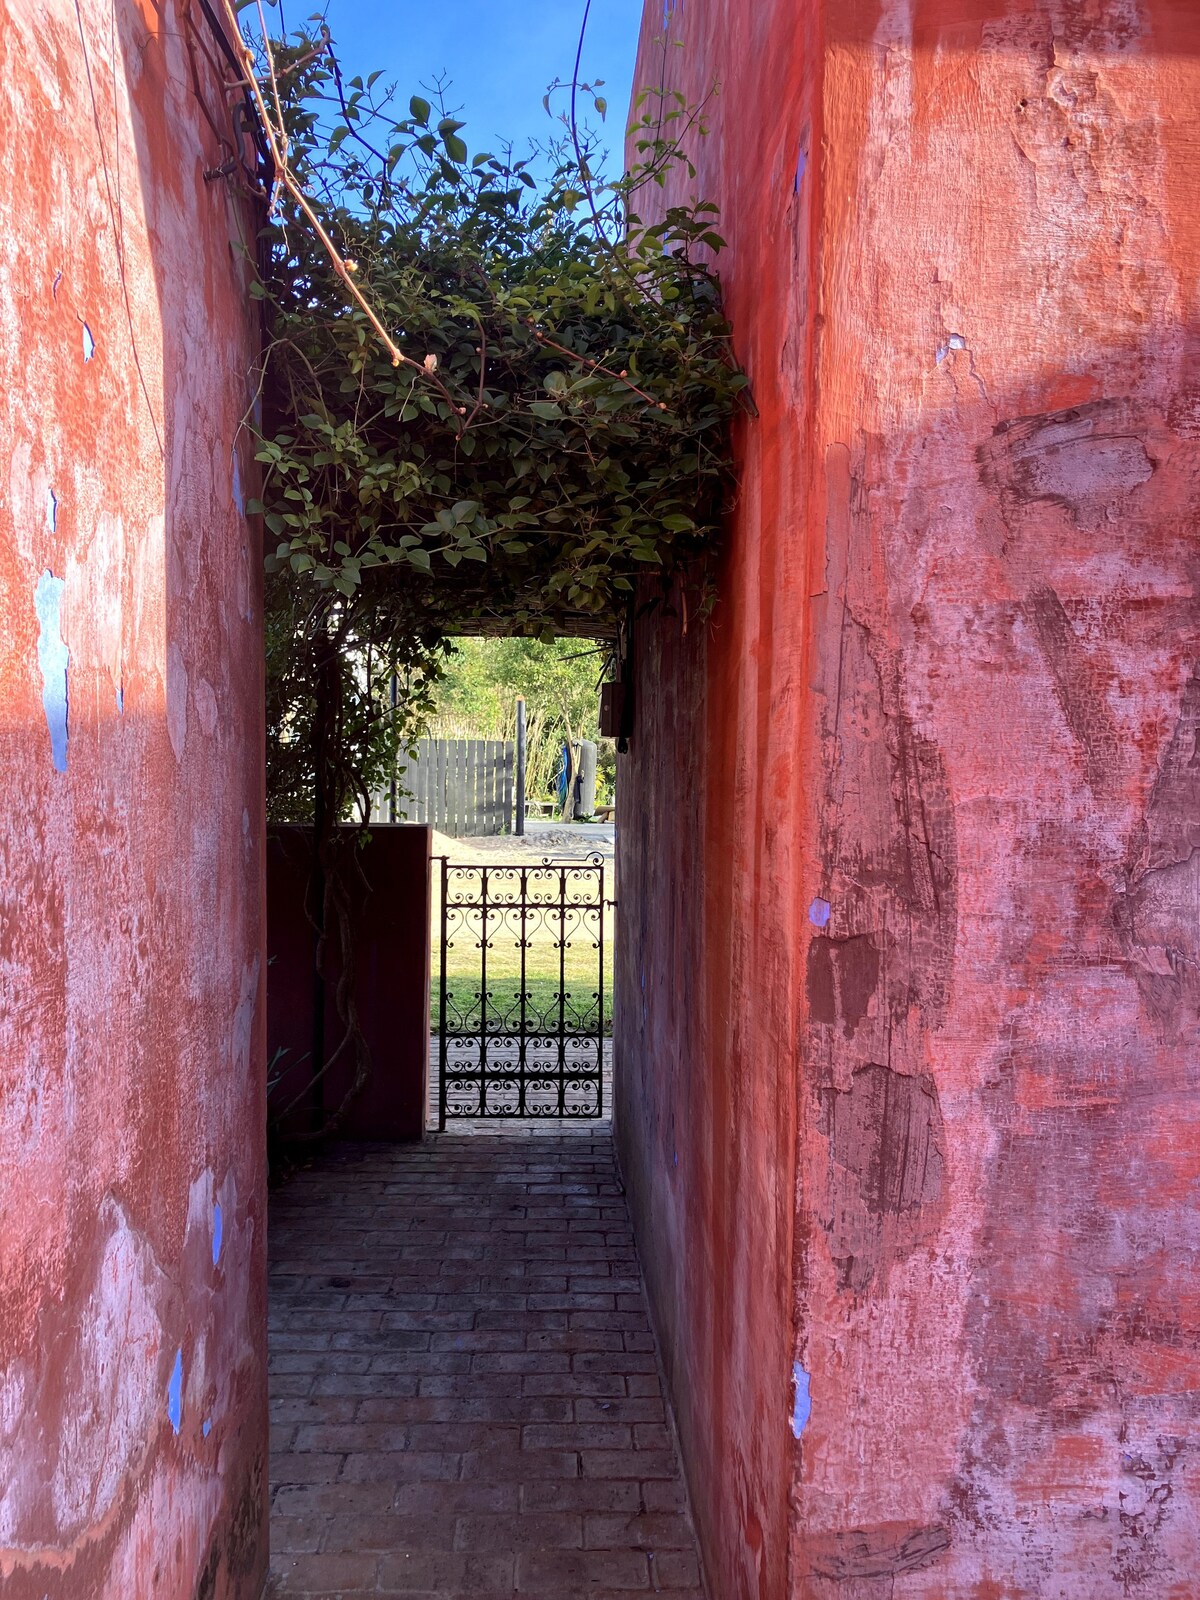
(239, 499)
(218, 1231)
(206, 1427)
(89, 344)
(819, 913)
(121, 699)
(53, 660)
(801, 169)
(52, 510)
(802, 1400)
(175, 1393)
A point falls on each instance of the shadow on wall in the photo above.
(132, 1304)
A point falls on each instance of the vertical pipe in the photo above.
(317, 1043)
(326, 688)
(393, 793)
(519, 828)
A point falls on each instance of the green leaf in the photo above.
(455, 148)
(421, 110)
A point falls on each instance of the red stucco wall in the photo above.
(910, 987)
(132, 1319)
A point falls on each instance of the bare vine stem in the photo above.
(585, 171)
(596, 366)
(278, 142)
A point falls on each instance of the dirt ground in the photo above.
(558, 841)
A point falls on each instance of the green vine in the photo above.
(558, 422)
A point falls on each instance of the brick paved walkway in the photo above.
(464, 1390)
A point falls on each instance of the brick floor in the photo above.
(464, 1391)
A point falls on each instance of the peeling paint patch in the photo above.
(819, 913)
(206, 1427)
(175, 1393)
(218, 1232)
(801, 1400)
(121, 699)
(884, 1551)
(801, 169)
(205, 699)
(53, 659)
(89, 343)
(177, 699)
(58, 278)
(243, 1017)
(52, 511)
(955, 342)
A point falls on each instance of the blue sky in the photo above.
(501, 54)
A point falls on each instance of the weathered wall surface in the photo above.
(132, 1318)
(936, 900)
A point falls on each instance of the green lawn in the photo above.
(580, 965)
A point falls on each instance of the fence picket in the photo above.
(461, 786)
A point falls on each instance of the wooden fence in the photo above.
(462, 786)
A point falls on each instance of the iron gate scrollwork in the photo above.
(521, 1006)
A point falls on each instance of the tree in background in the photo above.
(559, 679)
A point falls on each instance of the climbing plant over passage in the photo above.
(534, 408)
(490, 401)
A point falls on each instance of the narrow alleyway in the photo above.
(464, 1389)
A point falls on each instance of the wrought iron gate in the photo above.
(521, 1018)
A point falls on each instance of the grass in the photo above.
(542, 969)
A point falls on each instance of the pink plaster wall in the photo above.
(131, 918)
(933, 901)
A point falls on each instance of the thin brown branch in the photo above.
(596, 366)
(287, 178)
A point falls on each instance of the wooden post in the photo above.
(519, 823)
